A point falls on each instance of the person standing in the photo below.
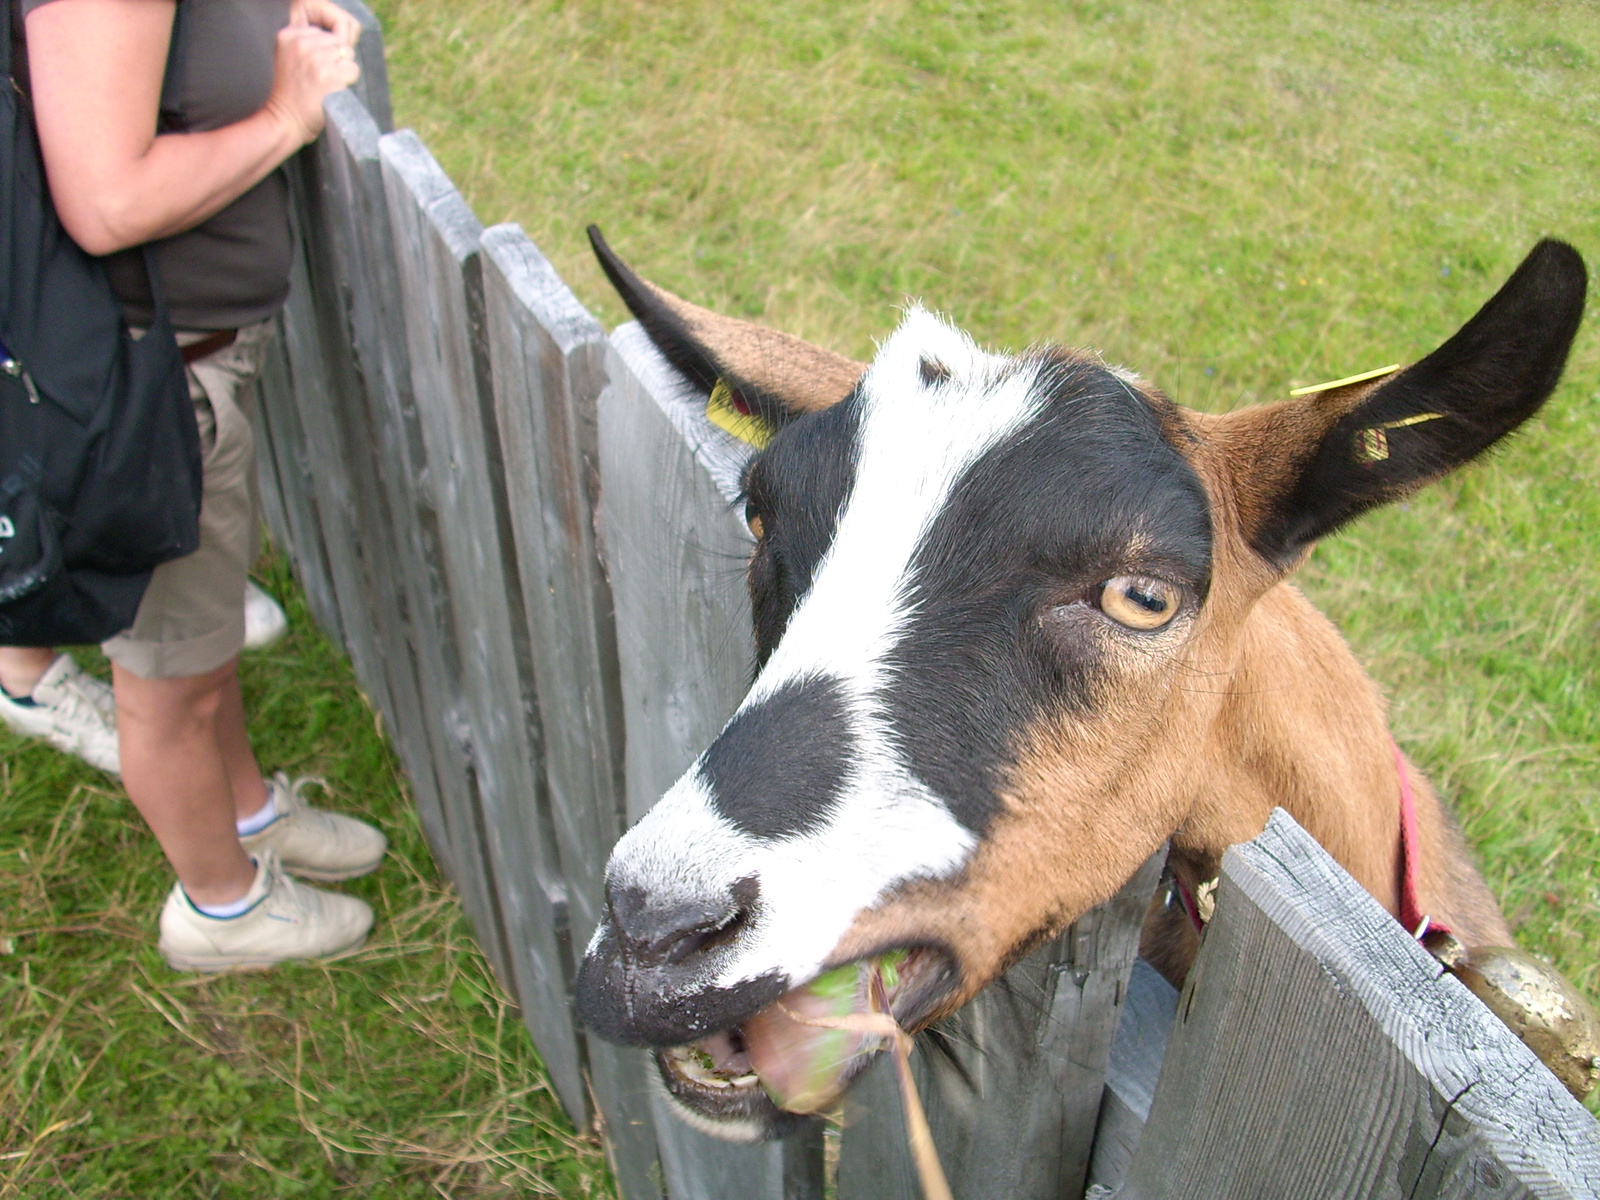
(166, 122)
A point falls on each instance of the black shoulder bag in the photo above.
(100, 475)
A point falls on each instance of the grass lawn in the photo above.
(1233, 198)
(402, 1071)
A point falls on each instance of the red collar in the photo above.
(1411, 915)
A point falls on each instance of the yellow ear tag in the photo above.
(1372, 445)
(1376, 373)
(747, 427)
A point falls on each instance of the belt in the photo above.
(209, 344)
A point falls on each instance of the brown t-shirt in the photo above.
(233, 268)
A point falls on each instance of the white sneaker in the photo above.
(285, 920)
(264, 621)
(319, 845)
(72, 710)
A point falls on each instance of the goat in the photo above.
(1019, 620)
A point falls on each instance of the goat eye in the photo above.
(1139, 602)
(753, 519)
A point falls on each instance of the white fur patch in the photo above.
(916, 441)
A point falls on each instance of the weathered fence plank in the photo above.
(285, 445)
(378, 342)
(676, 551)
(372, 89)
(547, 360)
(1319, 1051)
(349, 312)
(325, 403)
(1011, 1083)
(436, 246)
(1143, 1032)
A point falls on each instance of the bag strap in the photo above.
(13, 18)
(158, 292)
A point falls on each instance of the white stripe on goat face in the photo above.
(915, 441)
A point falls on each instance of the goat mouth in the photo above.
(792, 1059)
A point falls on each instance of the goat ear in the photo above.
(770, 374)
(1303, 468)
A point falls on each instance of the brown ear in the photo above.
(1301, 469)
(771, 374)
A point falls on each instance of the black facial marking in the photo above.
(779, 767)
(1089, 491)
(663, 1004)
(652, 933)
(797, 487)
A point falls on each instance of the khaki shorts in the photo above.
(191, 619)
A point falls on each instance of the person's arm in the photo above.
(96, 68)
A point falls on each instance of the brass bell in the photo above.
(1537, 1004)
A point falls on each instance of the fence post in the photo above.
(675, 550)
(1319, 1051)
(518, 876)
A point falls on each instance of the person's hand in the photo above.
(325, 14)
(313, 61)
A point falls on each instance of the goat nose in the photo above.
(653, 933)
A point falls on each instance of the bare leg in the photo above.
(177, 774)
(22, 666)
(244, 774)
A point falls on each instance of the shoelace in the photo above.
(294, 792)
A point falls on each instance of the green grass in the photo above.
(1233, 198)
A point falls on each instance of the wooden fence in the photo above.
(520, 530)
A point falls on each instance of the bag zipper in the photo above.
(14, 368)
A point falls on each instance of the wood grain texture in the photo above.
(1319, 1051)
(328, 406)
(547, 367)
(676, 555)
(1012, 1083)
(355, 265)
(269, 493)
(440, 275)
(1137, 1053)
(292, 468)
(675, 552)
(378, 342)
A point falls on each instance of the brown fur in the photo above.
(1268, 707)
(808, 377)
(1251, 702)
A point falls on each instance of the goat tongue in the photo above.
(799, 1058)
